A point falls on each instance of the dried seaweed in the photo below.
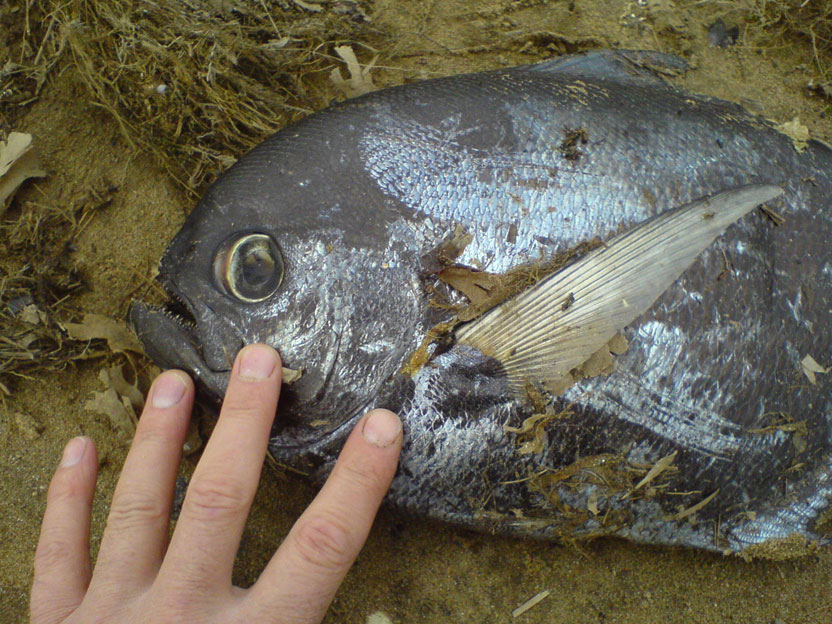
(37, 281)
(195, 82)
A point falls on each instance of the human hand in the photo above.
(140, 577)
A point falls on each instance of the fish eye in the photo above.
(249, 267)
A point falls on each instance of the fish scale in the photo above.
(362, 202)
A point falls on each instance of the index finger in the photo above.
(207, 536)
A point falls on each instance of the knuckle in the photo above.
(212, 495)
(50, 553)
(134, 508)
(49, 609)
(324, 542)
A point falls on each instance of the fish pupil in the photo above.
(258, 265)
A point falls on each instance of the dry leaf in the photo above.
(290, 375)
(113, 377)
(686, 513)
(119, 412)
(476, 285)
(18, 162)
(118, 336)
(797, 132)
(360, 81)
(30, 314)
(811, 368)
(592, 503)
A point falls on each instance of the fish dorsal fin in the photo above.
(631, 66)
(555, 326)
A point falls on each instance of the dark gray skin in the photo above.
(532, 161)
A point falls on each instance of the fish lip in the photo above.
(172, 340)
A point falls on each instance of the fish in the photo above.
(600, 304)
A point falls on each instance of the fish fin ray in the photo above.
(557, 325)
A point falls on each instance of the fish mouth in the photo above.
(170, 338)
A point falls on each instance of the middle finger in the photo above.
(207, 536)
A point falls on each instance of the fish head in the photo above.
(307, 267)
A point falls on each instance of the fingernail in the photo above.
(257, 362)
(382, 428)
(74, 451)
(168, 390)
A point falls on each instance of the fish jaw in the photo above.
(172, 342)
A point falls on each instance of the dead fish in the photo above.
(556, 275)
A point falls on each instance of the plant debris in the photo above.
(569, 147)
(290, 375)
(99, 327)
(486, 290)
(360, 81)
(657, 469)
(120, 402)
(811, 368)
(797, 132)
(690, 511)
(531, 602)
(38, 278)
(18, 163)
(531, 435)
(195, 82)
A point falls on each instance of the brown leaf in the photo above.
(113, 377)
(18, 162)
(476, 285)
(118, 336)
(120, 413)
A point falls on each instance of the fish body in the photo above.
(330, 239)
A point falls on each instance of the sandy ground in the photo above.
(412, 570)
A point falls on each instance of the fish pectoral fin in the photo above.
(551, 329)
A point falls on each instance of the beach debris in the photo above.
(359, 81)
(28, 426)
(18, 163)
(811, 368)
(291, 375)
(531, 602)
(379, 618)
(314, 7)
(193, 440)
(687, 513)
(98, 326)
(119, 402)
(797, 132)
(657, 469)
(721, 35)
